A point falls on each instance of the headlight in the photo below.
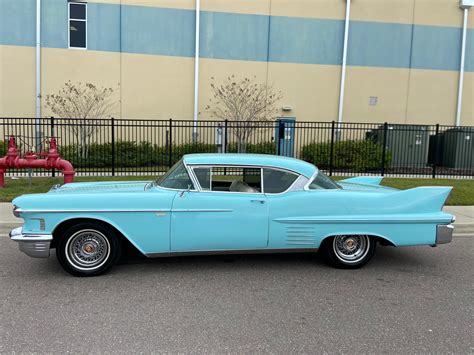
(15, 211)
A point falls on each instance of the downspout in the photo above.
(196, 71)
(38, 138)
(344, 65)
(462, 65)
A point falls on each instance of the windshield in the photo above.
(176, 178)
(321, 181)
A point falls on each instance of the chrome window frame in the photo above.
(261, 167)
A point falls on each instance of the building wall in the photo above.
(406, 53)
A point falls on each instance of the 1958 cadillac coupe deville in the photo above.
(213, 203)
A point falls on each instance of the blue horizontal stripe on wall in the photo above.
(163, 31)
(308, 41)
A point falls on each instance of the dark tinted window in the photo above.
(321, 181)
(77, 25)
(77, 34)
(276, 181)
(204, 177)
(77, 11)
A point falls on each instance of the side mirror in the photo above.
(187, 190)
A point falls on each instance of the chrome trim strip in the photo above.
(232, 252)
(201, 210)
(131, 211)
(356, 219)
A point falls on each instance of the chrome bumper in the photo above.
(444, 233)
(34, 245)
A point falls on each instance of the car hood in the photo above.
(99, 187)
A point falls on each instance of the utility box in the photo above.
(459, 148)
(285, 136)
(436, 149)
(466, 3)
(407, 144)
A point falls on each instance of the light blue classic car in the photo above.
(221, 203)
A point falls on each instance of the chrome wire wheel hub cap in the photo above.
(351, 248)
(87, 250)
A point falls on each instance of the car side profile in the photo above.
(229, 203)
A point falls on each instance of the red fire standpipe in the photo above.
(52, 161)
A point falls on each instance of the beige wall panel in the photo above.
(432, 97)
(312, 91)
(440, 13)
(99, 68)
(157, 87)
(17, 81)
(396, 11)
(467, 116)
(330, 9)
(220, 70)
(388, 85)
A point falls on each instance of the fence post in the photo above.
(435, 161)
(170, 144)
(53, 171)
(384, 147)
(112, 127)
(331, 148)
(225, 137)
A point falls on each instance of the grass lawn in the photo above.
(462, 195)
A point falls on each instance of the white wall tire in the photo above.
(88, 249)
(348, 251)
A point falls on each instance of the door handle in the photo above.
(258, 201)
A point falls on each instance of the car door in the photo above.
(219, 220)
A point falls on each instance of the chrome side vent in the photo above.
(300, 235)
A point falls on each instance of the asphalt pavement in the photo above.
(413, 299)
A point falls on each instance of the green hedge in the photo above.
(356, 156)
(3, 148)
(130, 154)
(257, 148)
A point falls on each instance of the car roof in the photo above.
(299, 166)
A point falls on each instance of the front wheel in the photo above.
(88, 249)
(348, 251)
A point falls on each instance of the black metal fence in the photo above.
(147, 147)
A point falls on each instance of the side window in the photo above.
(77, 25)
(277, 181)
(229, 179)
(176, 178)
(322, 181)
(204, 177)
(236, 179)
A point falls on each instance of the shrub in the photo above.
(130, 154)
(357, 156)
(257, 148)
(3, 148)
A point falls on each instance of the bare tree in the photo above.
(84, 104)
(244, 102)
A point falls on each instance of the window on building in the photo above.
(77, 25)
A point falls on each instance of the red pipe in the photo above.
(52, 161)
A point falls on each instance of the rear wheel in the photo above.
(348, 251)
(88, 249)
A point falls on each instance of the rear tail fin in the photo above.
(422, 199)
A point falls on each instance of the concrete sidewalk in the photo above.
(464, 218)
